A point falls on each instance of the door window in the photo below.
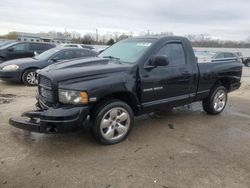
(65, 55)
(39, 47)
(174, 52)
(229, 55)
(21, 47)
(84, 53)
(35, 47)
(220, 56)
(80, 53)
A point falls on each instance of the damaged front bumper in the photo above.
(52, 120)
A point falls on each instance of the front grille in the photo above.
(45, 82)
(46, 94)
(45, 89)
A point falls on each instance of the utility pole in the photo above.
(96, 35)
(148, 32)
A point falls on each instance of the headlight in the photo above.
(72, 97)
(11, 67)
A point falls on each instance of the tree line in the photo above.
(202, 40)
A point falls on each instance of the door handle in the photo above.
(186, 73)
(145, 76)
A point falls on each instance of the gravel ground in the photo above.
(184, 148)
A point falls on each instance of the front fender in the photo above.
(100, 86)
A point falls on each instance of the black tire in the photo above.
(2, 60)
(26, 77)
(248, 64)
(103, 110)
(209, 105)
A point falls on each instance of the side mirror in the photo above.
(101, 51)
(55, 59)
(11, 49)
(160, 60)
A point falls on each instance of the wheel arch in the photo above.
(26, 69)
(225, 82)
(124, 96)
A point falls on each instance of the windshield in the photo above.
(47, 54)
(6, 44)
(128, 51)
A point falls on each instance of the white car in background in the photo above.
(204, 56)
(76, 46)
(96, 48)
(207, 56)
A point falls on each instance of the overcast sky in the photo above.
(224, 19)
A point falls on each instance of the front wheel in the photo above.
(216, 101)
(29, 77)
(112, 122)
(248, 64)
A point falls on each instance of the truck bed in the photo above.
(228, 72)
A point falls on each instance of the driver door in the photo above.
(19, 51)
(166, 84)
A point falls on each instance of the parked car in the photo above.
(240, 55)
(245, 60)
(208, 56)
(24, 70)
(17, 50)
(132, 77)
(225, 56)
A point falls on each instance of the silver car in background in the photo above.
(207, 56)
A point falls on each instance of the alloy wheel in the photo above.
(115, 124)
(220, 100)
(31, 78)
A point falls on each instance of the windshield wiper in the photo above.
(111, 57)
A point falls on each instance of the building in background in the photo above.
(39, 37)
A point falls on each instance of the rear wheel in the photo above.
(112, 122)
(29, 77)
(248, 64)
(216, 101)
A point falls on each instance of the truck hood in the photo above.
(83, 68)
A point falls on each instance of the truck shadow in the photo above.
(82, 141)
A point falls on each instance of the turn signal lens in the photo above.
(84, 97)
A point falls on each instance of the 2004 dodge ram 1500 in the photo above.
(132, 77)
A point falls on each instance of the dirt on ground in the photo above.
(183, 148)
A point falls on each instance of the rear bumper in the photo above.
(13, 76)
(52, 120)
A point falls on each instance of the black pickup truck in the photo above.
(134, 76)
